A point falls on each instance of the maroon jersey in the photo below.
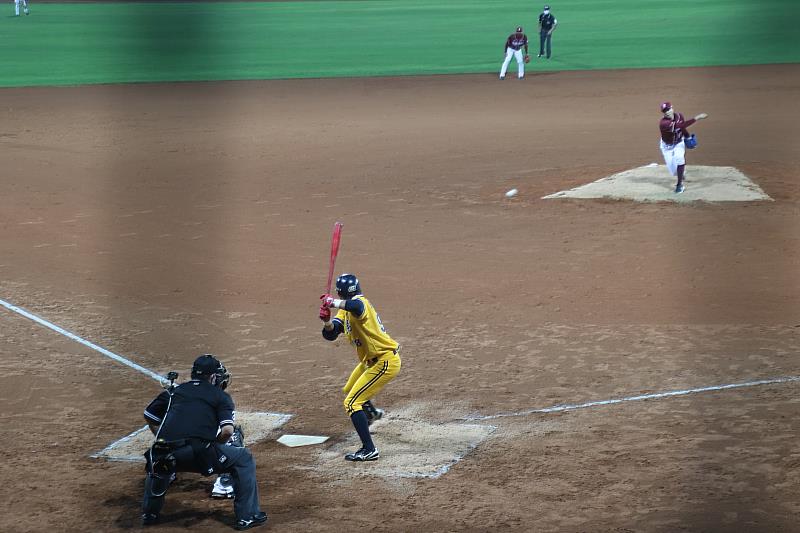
(674, 129)
(516, 41)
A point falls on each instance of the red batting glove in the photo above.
(327, 300)
(324, 313)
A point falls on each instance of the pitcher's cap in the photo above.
(665, 106)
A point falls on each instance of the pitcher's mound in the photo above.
(255, 426)
(653, 183)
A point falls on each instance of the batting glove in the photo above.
(324, 313)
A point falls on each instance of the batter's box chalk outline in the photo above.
(256, 427)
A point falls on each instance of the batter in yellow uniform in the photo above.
(378, 359)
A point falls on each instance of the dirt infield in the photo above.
(162, 221)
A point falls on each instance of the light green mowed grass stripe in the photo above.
(126, 42)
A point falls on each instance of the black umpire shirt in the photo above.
(198, 410)
(547, 21)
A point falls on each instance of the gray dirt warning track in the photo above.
(160, 224)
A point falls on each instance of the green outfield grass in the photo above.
(65, 44)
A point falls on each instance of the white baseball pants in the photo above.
(517, 54)
(674, 156)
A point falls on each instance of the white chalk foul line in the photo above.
(653, 396)
(76, 338)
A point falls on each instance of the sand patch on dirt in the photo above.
(256, 427)
(653, 183)
(410, 448)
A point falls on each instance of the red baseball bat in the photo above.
(335, 239)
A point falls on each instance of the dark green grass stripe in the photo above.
(128, 42)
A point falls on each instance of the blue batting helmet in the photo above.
(347, 286)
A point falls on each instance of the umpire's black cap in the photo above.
(205, 365)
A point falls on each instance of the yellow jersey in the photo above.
(366, 332)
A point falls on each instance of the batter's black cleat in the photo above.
(363, 455)
(254, 521)
(377, 415)
(373, 413)
(148, 519)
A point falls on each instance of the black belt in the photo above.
(374, 360)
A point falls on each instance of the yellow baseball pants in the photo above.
(367, 380)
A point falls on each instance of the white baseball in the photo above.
(512, 193)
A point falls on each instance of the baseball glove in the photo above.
(690, 142)
(527, 59)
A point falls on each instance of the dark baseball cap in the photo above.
(547, 7)
(665, 106)
(205, 365)
(519, 29)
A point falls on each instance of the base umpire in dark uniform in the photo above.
(547, 24)
(192, 422)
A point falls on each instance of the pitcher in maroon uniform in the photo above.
(673, 130)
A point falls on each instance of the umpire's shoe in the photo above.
(148, 519)
(363, 455)
(254, 521)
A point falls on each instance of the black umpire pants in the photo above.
(239, 464)
(544, 40)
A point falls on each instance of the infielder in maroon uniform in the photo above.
(673, 130)
(513, 48)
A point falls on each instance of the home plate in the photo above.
(409, 447)
(301, 440)
(255, 426)
(653, 183)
